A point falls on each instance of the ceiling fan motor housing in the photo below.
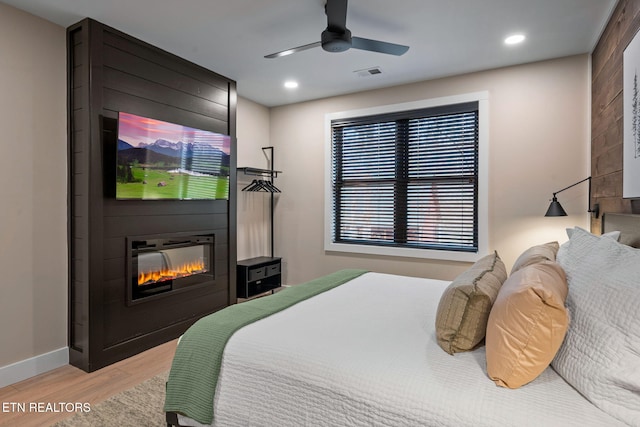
(337, 38)
(336, 41)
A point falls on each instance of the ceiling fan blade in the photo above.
(336, 11)
(293, 50)
(378, 46)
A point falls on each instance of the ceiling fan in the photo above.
(337, 38)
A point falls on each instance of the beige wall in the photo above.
(253, 207)
(538, 139)
(33, 172)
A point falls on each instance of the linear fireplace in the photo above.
(168, 263)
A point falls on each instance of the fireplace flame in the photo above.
(187, 269)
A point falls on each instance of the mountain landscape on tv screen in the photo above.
(171, 170)
(166, 151)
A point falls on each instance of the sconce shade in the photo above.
(555, 209)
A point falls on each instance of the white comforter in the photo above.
(365, 354)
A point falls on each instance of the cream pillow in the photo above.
(535, 254)
(527, 324)
(461, 319)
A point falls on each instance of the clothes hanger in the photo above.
(272, 188)
(261, 185)
(251, 185)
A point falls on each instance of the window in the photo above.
(408, 181)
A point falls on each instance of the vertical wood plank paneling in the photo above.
(607, 110)
(109, 72)
(233, 194)
(78, 200)
(94, 173)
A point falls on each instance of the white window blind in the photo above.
(407, 179)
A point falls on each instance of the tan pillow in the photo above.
(463, 311)
(527, 324)
(535, 254)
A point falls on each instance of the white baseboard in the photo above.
(36, 365)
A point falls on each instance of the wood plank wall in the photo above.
(110, 72)
(606, 114)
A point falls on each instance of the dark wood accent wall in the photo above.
(109, 72)
(606, 114)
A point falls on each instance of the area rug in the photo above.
(137, 406)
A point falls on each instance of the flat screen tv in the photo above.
(161, 160)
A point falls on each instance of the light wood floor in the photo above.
(70, 384)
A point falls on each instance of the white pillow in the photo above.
(615, 235)
(600, 355)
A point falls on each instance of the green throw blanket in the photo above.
(196, 364)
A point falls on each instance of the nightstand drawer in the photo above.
(273, 269)
(257, 273)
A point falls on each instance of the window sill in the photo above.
(404, 252)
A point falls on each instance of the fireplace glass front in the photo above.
(159, 265)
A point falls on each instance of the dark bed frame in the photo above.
(172, 419)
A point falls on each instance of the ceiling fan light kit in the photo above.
(337, 38)
(335, 42)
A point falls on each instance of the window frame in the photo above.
(482, 98)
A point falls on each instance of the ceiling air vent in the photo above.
(368, 72)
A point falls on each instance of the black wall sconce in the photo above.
(555, 209)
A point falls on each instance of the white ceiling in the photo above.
(446, 37)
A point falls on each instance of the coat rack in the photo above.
(264, 185)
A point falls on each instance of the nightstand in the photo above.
(258, 275)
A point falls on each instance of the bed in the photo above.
(360, 349)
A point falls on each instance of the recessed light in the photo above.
(290, 84)
(514, 39)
